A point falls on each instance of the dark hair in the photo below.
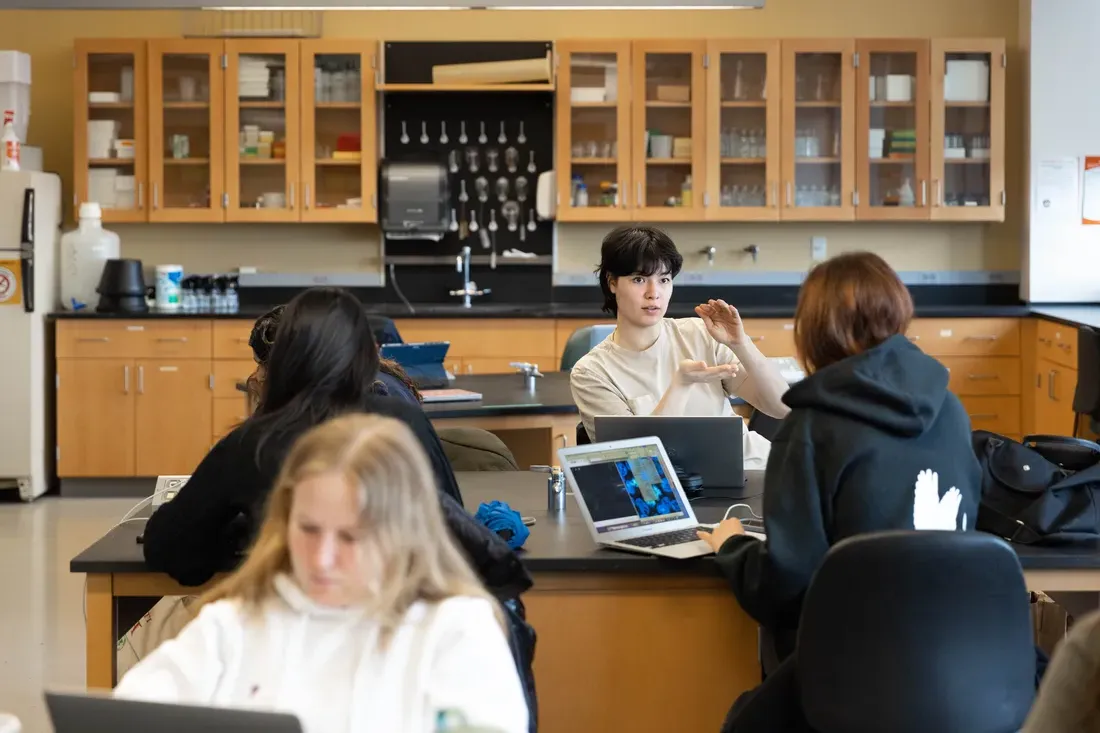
(634, 250)
(263, 333)
(847, 305)
(321, 364)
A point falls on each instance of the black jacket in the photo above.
(205, 528)
(871, 443)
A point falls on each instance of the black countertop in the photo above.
(1071, 315)
(563, 543)
(505, 394)
(549, 310)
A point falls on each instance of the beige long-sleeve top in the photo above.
(1069, 696)
(612, 380)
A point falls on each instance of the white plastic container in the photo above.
(9, 143)
(169, 280)
(83, 254)
(15, 88)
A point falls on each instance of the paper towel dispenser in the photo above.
(414, 198)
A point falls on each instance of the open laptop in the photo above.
(422, 362)
(631, 499)
(711, 447)
(101, 714)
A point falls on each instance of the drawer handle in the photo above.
(985, 416)
(97, 340)
(173, 339)
(125, 379)
(1064, 347)
(981, 377)
(141, 380)
(1044, 341)
(979, 338)
(913, 338)
(754, 339)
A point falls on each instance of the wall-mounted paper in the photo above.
(1090, 190)
(1056, 190)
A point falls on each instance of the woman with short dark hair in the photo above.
(668, 366)
(874, 441)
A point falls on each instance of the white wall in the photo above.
(1061, 259)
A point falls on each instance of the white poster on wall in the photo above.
(1056, 191)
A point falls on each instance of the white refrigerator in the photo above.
(30, 220)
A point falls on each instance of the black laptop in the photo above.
(102, 714)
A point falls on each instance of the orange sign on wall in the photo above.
(11, 291)
(1090, 191)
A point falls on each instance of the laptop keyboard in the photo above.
(678, 537)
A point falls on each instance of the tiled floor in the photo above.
(41, 603)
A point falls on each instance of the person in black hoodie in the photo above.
(323, 362)
(874, 441)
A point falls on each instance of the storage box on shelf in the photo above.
(236, 130)
(796, 130)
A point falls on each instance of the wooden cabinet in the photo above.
(95, 417)
(186, 130)
(818, 130)
(593, 147)
(892, 130)
(1055, 378)
(338, 132)
(743, 130)
(110, 125)
(133, 397)
(487, 346)
(172, 415)
(968, 130)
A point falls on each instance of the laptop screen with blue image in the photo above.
(627, 487)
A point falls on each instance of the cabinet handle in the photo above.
(306, 199)
(175, 339)
(141, 196)
(126, 379)
(1050, 385)
(979, 338)
(156, 198)
(211, 382)
(291, 196)
(985, 416)
(639, 194)
(937, 192)
(788, 194)
(913, 338)
(754, 339)
(981, 377)
(96, 340)
(923, 192)
(1064, 347)
(1044, 341)
(141, 380)
(775, 194)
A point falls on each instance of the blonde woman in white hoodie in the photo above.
(354, 610)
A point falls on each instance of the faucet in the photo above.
(469, 287)
(709, 252)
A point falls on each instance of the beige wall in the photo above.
(48, 37)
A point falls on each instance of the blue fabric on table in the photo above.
(505, 521)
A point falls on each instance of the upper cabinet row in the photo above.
(242, 130)
(800, 130)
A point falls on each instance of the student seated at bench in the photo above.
(355, 609)
(652, 365)
(874, 441)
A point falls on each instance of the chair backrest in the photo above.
(474, 449)
(911, 632)
(1086, 398)
(582, 341)
(384, 329)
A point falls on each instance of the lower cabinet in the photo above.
(1055, 385)
(173, 411)
(95, 417)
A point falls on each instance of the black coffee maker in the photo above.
(122, 288)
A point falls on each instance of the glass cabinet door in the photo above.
(669, 127)
(186, 131)
(892, 130)
(968, 129)
(262, 131)
(110, 128)
(338, 138)
(818, 130)
(593, 131)
(743, 130)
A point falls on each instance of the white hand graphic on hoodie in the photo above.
(929, 510)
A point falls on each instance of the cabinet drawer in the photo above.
(231, 339)
(996, 414)
(1057, 343)
(102, 339)
(773, 336)
(983, 375)
(228, 372)
(229, 412)
(496, 337)
(501, 365)
(176, 340)
(966, 336)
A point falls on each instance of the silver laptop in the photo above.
(711, 447)
(631, 499)
(102, 714)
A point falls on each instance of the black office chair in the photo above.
(911, 632)
(764, 425)
(1086, 398)
(582, 435)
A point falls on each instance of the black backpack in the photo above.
(1043, 491)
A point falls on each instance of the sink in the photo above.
(475, 310)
